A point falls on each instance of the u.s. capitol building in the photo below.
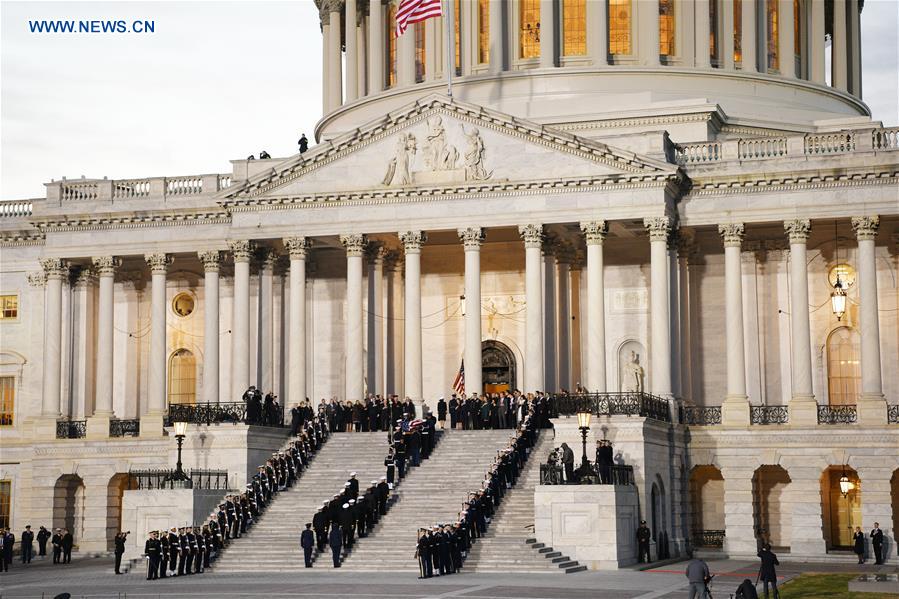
(662, 197)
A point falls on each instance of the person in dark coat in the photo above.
(120, 549)
(643, 537)
(56, 541)
(423, 554)
(335, 540)
(604, 458)
(320, 526)
(67, 542)
(7, 541)
(27, 544)
(42, 536)
(746, 590)
(441, 413)
(877, 543)
(151, 550)
(767, 571)
(568, 462)
(307, 542)
(858, 544)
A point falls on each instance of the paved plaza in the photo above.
(93, 578)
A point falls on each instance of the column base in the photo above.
(98, 426)
(803, 410)
(151, 424)
(735, 411)
(872, 410)
(45, 427)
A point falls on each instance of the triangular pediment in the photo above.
(438, 142)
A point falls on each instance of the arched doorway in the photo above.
(68, 504)
(707, 501)
(843, 367)
(182, 377)
(658, 516)
(497, 367)
(842, 513)
(115, 490)
(771, 510)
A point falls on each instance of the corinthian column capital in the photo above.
(354, 244)
(242, 250)
(159, 263)
(105, 266)
(471, 238)
(297, 247)
(865, 227)
(532, 235)
(732, 234)
(211, 259)
(54, 268)
(658, 227)
(595, 231)
(413, 240)
(798, 229)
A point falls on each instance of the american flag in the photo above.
(414, 11)
(459, 383)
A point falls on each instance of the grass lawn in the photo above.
(826, 586)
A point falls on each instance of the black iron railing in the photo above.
(213, 413)
(837, 415)
(620, 474)
(770, 415)
(162, 478)
(708, 538)
(71, 429)
(700, 416)
(893, 414)
(614, 404)
(124, 428)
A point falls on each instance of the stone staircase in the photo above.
(273, 543)
(430, 494)
(508, 545)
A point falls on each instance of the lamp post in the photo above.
(585, 473)
(179, 478)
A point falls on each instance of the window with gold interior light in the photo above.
(529, 28)
(420, 56)
(7, 400)
(773, 23)
(620, 27)
(391, 45)
(182, 377)
(574, 27)
(483, 31)
(666, 28)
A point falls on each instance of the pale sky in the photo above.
(216, 81)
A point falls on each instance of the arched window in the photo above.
(666, 28)
(483, 31)
(620, 26)
(529, 29)
(182, 378)
(574, 27)
(420, 52)
(391, 45)
(843, 367)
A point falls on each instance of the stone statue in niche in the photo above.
(474, 156)
(399, 169)
(439, 156)
(634, 379)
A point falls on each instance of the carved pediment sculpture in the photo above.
(441, 159)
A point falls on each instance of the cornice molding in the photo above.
(87, 222)
(22, 238)
(705, 187)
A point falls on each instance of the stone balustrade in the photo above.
(111, 190)
(811, 144)
(16, 209)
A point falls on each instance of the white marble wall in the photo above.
(143, 511)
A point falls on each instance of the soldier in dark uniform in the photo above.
(42, 536)
(441, 412)
(767, 571)
(354, 486)
(151, 550)
(320, 526)
(183, 550)
(643, 536)
(67, 542)
(27, 544)
(307, 543)
(877, 543)
(604, 458)
(120, 549)
(303, 143)
(56, 541)
(164, 551)
(335, 540)
(383, 494)
(423, 553)
(174, 550)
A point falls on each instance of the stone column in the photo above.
(98, 424)
(298, 248)
(335, 78)
(727, 34)
(352, 54)
(362, 49)
(496, 42)
(703, 34)
(785, 42)
(55, 270)
(595, 232)
(660, 331)
(533, 360)
(471, 240)
(377, 319)
(735, 409)
(855, 50)
(212, 261)
(550, 363)
(151, 421)
(563, 326)
(598, 32)
(748, 39)
(355, 247)
(803, 498)
(872, 408)
(392, 343)
(326, 41)
(877, 502)
(375, 47)
(547, 35)
(840, 48)
(816, 42)
(803, 407)
(240, 327)
(739, 526)
(265, 369)
(412, 242)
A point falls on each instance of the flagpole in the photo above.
(450, 47)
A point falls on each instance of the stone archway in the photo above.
(497, 367)
(842, 513)
(771, 509)
(68, 505)
(707, 501)
(115, 490)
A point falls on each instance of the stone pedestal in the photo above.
(161, 509)
(735, 411)
(98, 426)
(593, 524)
(803, 412)
(151, 424)
(872, 410)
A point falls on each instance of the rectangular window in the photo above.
(574, 27)
(391, 46)
(738, 31)
(483, 31)
(797, 41)
(529, 29)
(7, 400)
(419, 52)
(457, 18)
(713, 31)
(9, 307)
(773, 22)
(666, 28)
(5, 503)
(619, 26)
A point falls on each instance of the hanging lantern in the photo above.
(838, 299)
(583, 419)
(845, 484)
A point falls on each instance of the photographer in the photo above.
(120, 549)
